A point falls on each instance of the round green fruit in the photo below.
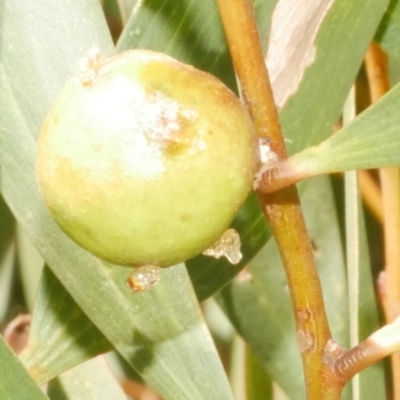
(145, 160)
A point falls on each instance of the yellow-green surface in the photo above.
(148, 162)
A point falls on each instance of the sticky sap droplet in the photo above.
(228, 246)
(143, 278)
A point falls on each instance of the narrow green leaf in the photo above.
(15, 383)
(40, 57)
(188, 30)
(258, 300)
(125, 8)
(387, 338)
(30, 265)
(61, 335)
(309, 116)
(92, 380)
(388, 34)
(372, 140)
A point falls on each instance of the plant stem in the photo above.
(371, 194)
(377, 72)
(379, 345)
(282, 209)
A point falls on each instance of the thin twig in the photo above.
(282, 209)
(379, 345)
(371, 194)
(377, 72)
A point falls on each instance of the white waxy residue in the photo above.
(267, 158)
(228, 246)
(162, 119)
(143, 278)
(89, 65)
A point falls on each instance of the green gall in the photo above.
(145, 160)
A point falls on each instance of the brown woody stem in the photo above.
(282, 209)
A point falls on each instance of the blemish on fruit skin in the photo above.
(227, 246)
(167, 125)
(88, 232)
(185, 216)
